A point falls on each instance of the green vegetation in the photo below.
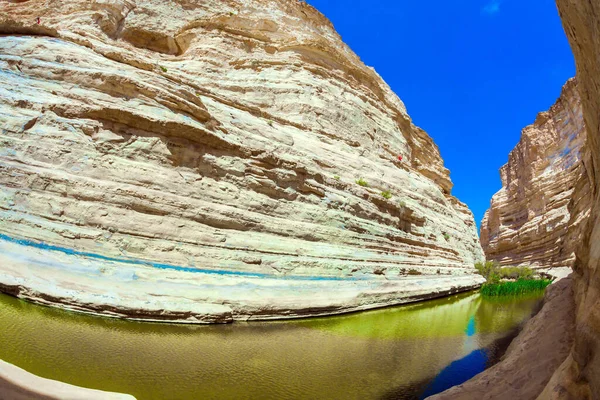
(387, 194)
(362, 182)
(508, 280)
(162, 68)
(402, 203)
(489, 270)
(516, 273)
(446, 236)
(270, 123)
(336, 177)
(513, 288)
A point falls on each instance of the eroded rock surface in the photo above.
(202, 147)
(529, 221)
(579, 376)
(18, 384)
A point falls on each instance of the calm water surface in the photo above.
(404, 352)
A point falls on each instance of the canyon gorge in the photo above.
(220, 161)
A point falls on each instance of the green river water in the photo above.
(403, 352)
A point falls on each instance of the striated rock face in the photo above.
(529, 221)
(579, 376)
(155, 154)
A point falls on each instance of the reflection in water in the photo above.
(457, 372)
(390, 353)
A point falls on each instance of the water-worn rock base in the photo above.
(129, 288)
(532, 357)
(18, 384)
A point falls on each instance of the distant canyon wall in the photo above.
(529, 221)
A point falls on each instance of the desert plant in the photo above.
(516, 273)
(336, 177)
(446, 236)
(270, 123)
(386, 194)
(402, 203)
(489, 270)
(414, 272)
(362, 182)
(163, 69)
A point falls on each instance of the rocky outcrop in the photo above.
(578, 377)
(529, 362)
(18, 384)
(529, 221)
(199, 160)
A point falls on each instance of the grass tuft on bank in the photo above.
(514, 288)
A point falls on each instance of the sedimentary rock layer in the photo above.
(215, 138)
(529, 219)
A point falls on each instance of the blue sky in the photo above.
(471, 73)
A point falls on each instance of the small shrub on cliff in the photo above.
(362, 182)
(386, 194)
(402, 203)
(446, 236)
(414, 272)
(163, 69)
(489, 270)
(336, 177)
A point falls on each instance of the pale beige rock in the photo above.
(531, 358)
(579, 376)
(18, 384)
(529, 219)
(210, 135)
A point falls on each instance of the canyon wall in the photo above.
(201, 159)
(579, 376)
(529, 221)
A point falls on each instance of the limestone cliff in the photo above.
(528, 221)
(185, 155)
(579, 376)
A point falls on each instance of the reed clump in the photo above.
(514, 288)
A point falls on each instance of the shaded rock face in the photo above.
(216, 135)
(579, 376)
(529, 220)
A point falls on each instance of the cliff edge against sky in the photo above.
(198, 161)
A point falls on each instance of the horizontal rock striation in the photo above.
(218, 139)
(529, 220)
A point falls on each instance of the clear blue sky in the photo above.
(472, 73)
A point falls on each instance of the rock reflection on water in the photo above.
(394, 353)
